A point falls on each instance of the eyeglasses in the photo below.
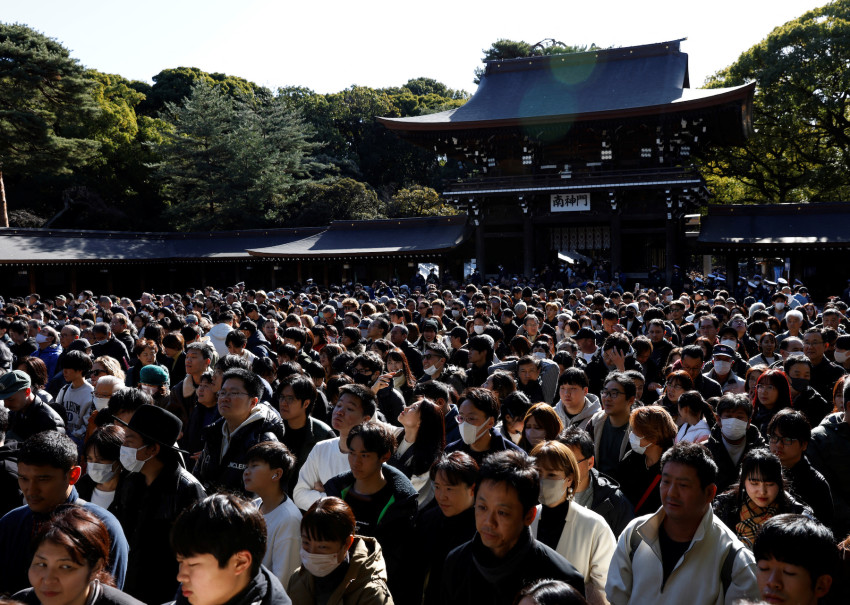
(98, 372)
(429, 356)
(470, 419)
(231, 394)
(612, 393)
(786, 441)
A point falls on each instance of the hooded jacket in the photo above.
(394, 527)
(582, 419)
(609, 502)
(829, 452)
(215, 470)
(217, 335)
(364, 583)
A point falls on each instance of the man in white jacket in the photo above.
(682, 553)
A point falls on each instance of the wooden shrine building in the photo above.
(583, 154)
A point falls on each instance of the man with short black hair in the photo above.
(503, 557)
(797, 560)
(663, 556)
(244, 422)
(47, 472)
(824, 372)
(789, 434)
(220, 543)
(693, 358)
(610, 427)
(107, 344)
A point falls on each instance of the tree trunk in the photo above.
(4, 214)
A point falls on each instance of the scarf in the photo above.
(752, 518)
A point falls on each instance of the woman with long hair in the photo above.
(327, 355)
(697, 418)
(403, 379)
(752, 376)
(36, 369)
(420, 443)
(677, 382)
(773, 393)
(69, 564)
(761, 493)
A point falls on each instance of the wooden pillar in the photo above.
(527, 245)
(671, 249)
(616, 244)
(479, 247)
(298, 274)
(31, 274)
(731, 272)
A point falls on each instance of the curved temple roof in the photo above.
(619, 82)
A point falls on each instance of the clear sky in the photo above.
(330, 45)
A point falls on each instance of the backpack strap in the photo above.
(726, 569)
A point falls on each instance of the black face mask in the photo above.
(364, 379)
(630, 314)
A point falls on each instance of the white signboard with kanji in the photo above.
(570, 202)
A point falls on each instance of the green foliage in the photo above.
(175, 85)
(503, 49)
(418, 201)
(340, 199)
(801, 148)
(229, 163)
(45, 98)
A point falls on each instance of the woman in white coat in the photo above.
(578, 534)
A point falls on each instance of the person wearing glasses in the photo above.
(609, 427)
(789, 435)
(244, 422)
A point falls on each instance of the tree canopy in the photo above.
(800, 150)
(45, 101)
(516, 49)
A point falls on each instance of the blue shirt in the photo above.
(18, 527)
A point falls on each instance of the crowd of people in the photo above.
(375, 444)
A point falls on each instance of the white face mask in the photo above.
(100, 402)
(150, 389)
(634, 441)
(540, 354)
(99, 472)
(470, 433)
(478, 329)
(841, 356)
(535, 436)
(455, 313)
(128, 459)
(552, 491)
(41, 338)
(732, 344)
(319, 565)
(733, 428)
(430, 370)
(721, 368)
(779, 305)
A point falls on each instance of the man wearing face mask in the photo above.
(150, 498)
(841, 354)
(631, 322)
(804, 397)
(477, 416)
(779, 307)
(733, 437)
(721, 372)
(435, 366)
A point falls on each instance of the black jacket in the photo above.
(498, 443)
(316, 431)
(473, 575)
(35, 418)
(263, 589)
(414, 358)
(146, 513)
(216, 472)
(727, 471)
(113, 348)
(394, 528)
(809, 486)
(391, 403)
(609, 502)
(707, 387)
(10, 494)
(813, 406)
(436, 536)
(596, 371)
